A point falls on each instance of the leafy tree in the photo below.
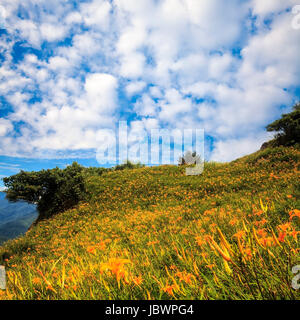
(53, 190)
(287, 128)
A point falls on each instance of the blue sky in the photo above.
(71, 70)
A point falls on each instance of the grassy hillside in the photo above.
(155, 233)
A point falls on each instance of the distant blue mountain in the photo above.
(15, 218)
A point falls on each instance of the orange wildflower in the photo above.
(233, 221)
(294, 213)
(199, 241)
(285, 226)
(260, 223)
(258, 213)
(281, 236)
(248, 253)
(91, 250)
(184, 276)
(169, 289)
(36, 280)
(267, 242)
(116, 267)
(240, 234)
(295, 233)
(137, 280)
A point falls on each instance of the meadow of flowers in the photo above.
(155, 233)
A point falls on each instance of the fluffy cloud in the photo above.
(271, 6)
(96, 13)
(29, 31)
(174, 105)
(146, 106)
(5, 127)
(226, 150)
(67, 72)
(135, 87)
(51, 32)
(101, 91)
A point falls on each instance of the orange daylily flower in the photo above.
(169, 289)
(36, 280)
(116, 267)
(281, 236)
(294, 213)
(240, 234)
(137, 280)
(91, 250)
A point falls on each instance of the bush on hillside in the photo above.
(95, 171)
(53, 190)
(129, 165)
(287, 128)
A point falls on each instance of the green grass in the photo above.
(155, 233)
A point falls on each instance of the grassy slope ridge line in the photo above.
(155, 233)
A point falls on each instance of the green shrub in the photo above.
(53, 190)
(287, 128)
(129, 165)
(95, 171)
